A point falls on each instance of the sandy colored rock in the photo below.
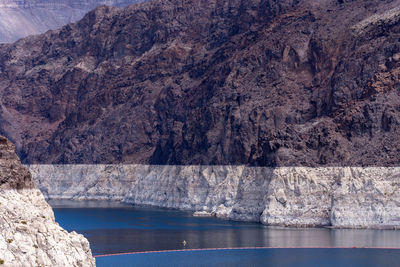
(29, 235)
(343, 197)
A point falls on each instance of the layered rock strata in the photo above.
(29, 235)
(352, 197)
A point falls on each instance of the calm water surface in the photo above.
(283, 257)
(118, 228)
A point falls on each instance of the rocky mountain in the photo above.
(20, 18)
(29, 235)
(255, 82)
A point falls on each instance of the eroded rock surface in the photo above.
(13, 174)
(20, 18)
(353, 197)
(254, 82)
(29, 235)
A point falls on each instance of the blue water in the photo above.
(300, 257)
(117, 228)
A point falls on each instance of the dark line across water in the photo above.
(126, 236)
(241, 248)
(255, 257)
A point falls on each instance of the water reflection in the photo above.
(116, 228)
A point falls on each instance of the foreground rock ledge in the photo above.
(29, 235)
(342, 197)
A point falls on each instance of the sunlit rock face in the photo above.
(29, 235)
(353, 197)
(23, 18)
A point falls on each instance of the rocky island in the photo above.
(29, 235)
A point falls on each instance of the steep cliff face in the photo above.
(351, 197)
(261, 82)
(13, 174)
(29, 235)
(20, 18)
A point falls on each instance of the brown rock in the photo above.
(13, 175)
(259, 82)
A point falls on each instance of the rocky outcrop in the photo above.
(352, 197)
(20, 18)
(29, 235)
(260, 83)
(13, 174)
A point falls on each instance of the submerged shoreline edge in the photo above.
(339, 197)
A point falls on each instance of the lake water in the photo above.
(119, 228)
(283, 257)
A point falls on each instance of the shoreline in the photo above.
(115, 204)
(338, 197)
(192, 212)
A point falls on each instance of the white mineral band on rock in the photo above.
(29, 235)
(350, 197)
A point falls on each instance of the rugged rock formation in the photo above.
(20, 18)
(13, 174)
(259, 82)
(29, 235)
(351, 197)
